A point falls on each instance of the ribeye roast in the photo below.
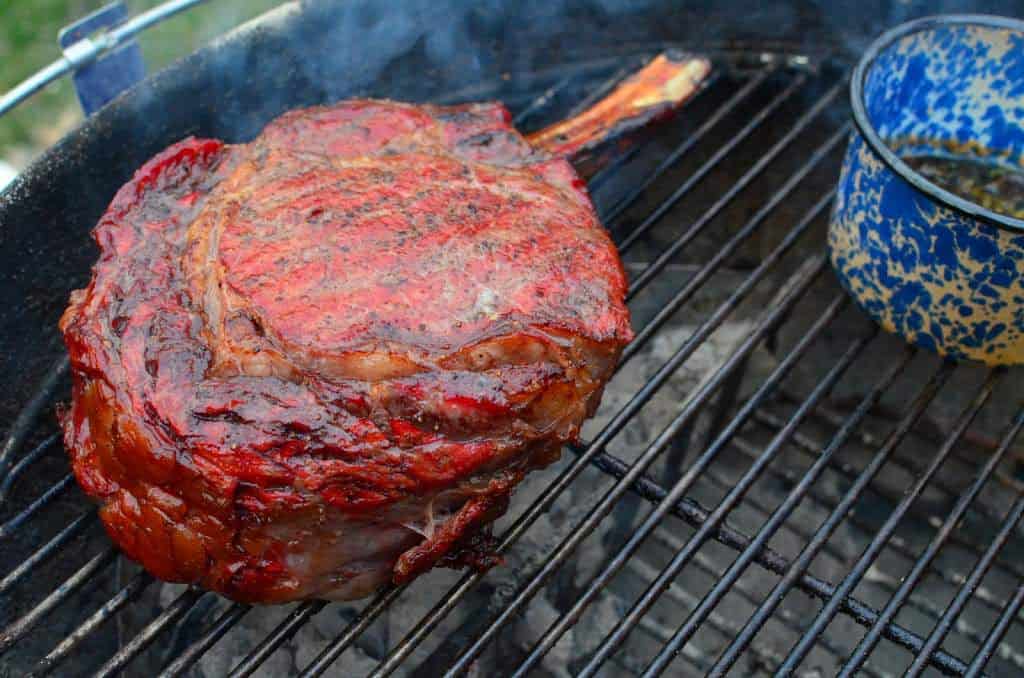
(322, 360)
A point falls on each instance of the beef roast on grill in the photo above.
(322, 360)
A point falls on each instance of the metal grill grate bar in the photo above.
(687, 600)
(798, 567)
(684, 188)
(223, 624)
(26, 622)
(570, 618)
(924, 606)
(698, 226)
(540, 102)
(595, 183)
(23, 463)
(126, 595)
(22, 426)
(684, 147)
(626, 624)
(73, 529)
(782, 513)
(910, 580)
(703, 563)
(896, 543)
(977, 573)
(787, 617)
(698, 279)
(770, 560)
(719, 155)
(12, 525)
(995, 636)
(171, 614)
(825, 615)
(285, 630)
(908, 464)
(336, 647)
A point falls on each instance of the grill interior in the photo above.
(770, 483)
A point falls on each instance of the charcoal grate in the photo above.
(774, 518)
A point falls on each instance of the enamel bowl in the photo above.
(940, 271)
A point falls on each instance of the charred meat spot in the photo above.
(500, 140)
(479, 140)
(215, 414)
(159, 421)
(477, 550)
(297, 427)
(118, 323)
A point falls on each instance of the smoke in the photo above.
(317, 51)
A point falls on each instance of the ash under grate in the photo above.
(770, 413)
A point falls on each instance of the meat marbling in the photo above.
(322, 360)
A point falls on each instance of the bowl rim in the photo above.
(867, 130)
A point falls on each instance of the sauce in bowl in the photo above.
(992, 186)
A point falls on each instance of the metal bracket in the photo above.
(104, 78)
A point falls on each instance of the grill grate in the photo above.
(761, 509)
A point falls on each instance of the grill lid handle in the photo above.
(105, 77)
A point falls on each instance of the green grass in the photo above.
(28, 41)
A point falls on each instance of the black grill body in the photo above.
(771, 485)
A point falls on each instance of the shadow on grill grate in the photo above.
(769, 484)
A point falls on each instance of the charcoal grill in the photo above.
(816, 498)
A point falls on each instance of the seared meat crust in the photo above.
(322, 360)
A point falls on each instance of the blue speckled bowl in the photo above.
(942, 272)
